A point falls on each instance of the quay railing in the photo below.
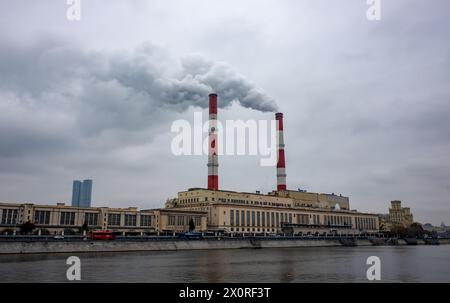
(227, 237)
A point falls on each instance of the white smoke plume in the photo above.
(53, 94)
(148, 71)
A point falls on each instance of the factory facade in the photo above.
(281, 210)
(253, 213)
(60, 218)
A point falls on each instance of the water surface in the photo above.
(314, 264)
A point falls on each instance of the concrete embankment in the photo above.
(23, 247)
(30, 247)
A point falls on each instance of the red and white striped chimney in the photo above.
(213, 164)
(281, 165)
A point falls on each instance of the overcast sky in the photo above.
(366, 103)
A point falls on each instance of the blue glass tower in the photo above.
(86, 193)
(76, 192)
(82, 193)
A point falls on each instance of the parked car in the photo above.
(190, 236)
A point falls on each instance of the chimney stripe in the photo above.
(281, 163)
(213, 163)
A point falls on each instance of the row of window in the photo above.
(274, 219)
(130, 220)
(258, 218)
(262, 203)
(9, 217)
(184, 220)
(338, 220)
(302, 219)
(238, 201)
(253, 229)
(365, 223)
(190, 200)
(42, 217)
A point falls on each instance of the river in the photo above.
(315, 264)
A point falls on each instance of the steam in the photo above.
(114, 93)
(148, 70)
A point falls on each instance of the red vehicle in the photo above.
(102, 235)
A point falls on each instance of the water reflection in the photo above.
(335, 264)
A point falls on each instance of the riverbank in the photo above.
(46, 247)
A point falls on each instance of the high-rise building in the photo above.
(76, 192)
(82, 193)
(399, 215)
(86, 193)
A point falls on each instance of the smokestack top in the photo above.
(279, 118)
(212, 103)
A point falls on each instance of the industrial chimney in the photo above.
(213, 164)
(281, 165)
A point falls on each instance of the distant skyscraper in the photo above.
(82, 193)
(86, 193)
(76, 192)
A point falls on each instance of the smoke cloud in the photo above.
(121, 90)
(55, 93)
(148, 70)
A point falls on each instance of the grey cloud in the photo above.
(85, 93)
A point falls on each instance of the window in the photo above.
(67, 218)
(146, 220)
(253, 218)
(114, 219)
(242, 217)
(42, 217)
(248, 218)
(302, 219)
(180, 220)
(290, 218)
(91, 219)
(272, 219)
(9, 216)
(258, 218)
(171, 220)
(268, 218)
(278, 219)
(197, 220)
(263, 219)
(130, 220)
(232, 217)
(237, 217)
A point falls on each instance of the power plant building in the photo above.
(211, 208)
(281, 210)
